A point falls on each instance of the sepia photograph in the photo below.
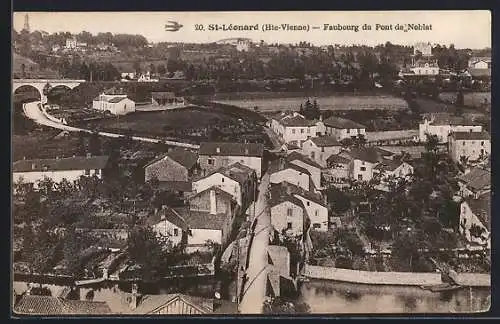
(263, 163)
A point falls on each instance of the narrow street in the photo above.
(254, 287)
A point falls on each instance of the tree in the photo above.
(339, 202)
(161, 69)
(95, 144)
(71, 251)
(81, 148)
(137, 67)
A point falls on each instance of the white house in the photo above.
(294, 128)
(443, 126)
(338, 169)
(320, 148)
(237, 180)
(363, 161)
(480, 63)
(426, 69)
(474, 183)
(469, 145)
(287, 214)
(146, 77)
(293, 174)
(242, 45)
(342, 128)
(71, 169)
(475, 220)
(205, 227)
(167, 223)
(314, 204)
(71, 43)
(392, 170)
(115, 104)
(308, 164)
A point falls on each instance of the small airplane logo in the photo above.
(173, 26)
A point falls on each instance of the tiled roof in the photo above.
(47, 305)
(369, 154)
(184, 157)
(335, 158)
(389, 165)
(62, 164)
(236, 171)
(218, 191)
(445, 119)
(201, 219)
(284, 187)
(482, 208)
(282, 196)
(147, 304)
(342, 123)
(297, 121)
(470, 136)
(477, 178)
(325, 141)
(231, 149)
(169, 215)
(297, 156)
(298, 168)
(116, 99)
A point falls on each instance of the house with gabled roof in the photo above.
(304, 162)
(314, 203)
(282, 171)
(214, 155)
(174, 168)
(320, 148)
(288, 214)
(279, 281)
(474, 182)
(475, 220)
(364, 160)
(293, 128)
(116, 104)
(213, 200)
(168, 223)
(442, 126)
(338, 168)
(342, 128)
(70, 168)
(472, 146)
(389, 171)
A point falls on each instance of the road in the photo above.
(32, 111)
(254, 289)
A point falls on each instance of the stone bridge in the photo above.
(44, 85)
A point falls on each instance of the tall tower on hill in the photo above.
(26, 23)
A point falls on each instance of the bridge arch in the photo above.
(40, 84)
(37, 94)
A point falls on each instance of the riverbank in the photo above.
(393, 278)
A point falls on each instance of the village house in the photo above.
(288, 214)
(442, 126)
(338, 169)
(363, 161)
(480, 63)
(308, 164)
(475, 220)
(167, 99)
(116, 104)
(213, 200)
(173, 169)
(281, 171)
(167, 223)
(294, 128)
(71, 169)
(341, 128)
(127, 73)
(314, 204)
(470, 146)
(389, 170)
(475, 182)
(214, 155)
(320, 148)
(236, 179)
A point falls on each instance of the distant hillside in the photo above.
(23, 67)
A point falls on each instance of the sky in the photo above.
(464, 29)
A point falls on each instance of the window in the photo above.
(308, 130)
(302, 131)
(289, 225)
(316, 225)
(210, 161)
(316, 213)
(347, 131)
(87, 172)
(190, 232)
(463, 143)
(289, 212)
(322, 149)
(307, 203)
(97, 171)
(222, 180)
(473, 142)
(312, 155)
(176, 232)
(482, 151)
(363, 168)
(362, 162)
(482, 143)
(360, 177)
(293, 131)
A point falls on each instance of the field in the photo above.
(337, 102)
(471, 99)
(39, 145)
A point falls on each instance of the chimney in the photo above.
(24, 157)
(33, 166)
(246, 151)
(217, 150)
(133, 298)
(89, 155)
(213, 202)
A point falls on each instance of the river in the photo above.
(330, 297)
